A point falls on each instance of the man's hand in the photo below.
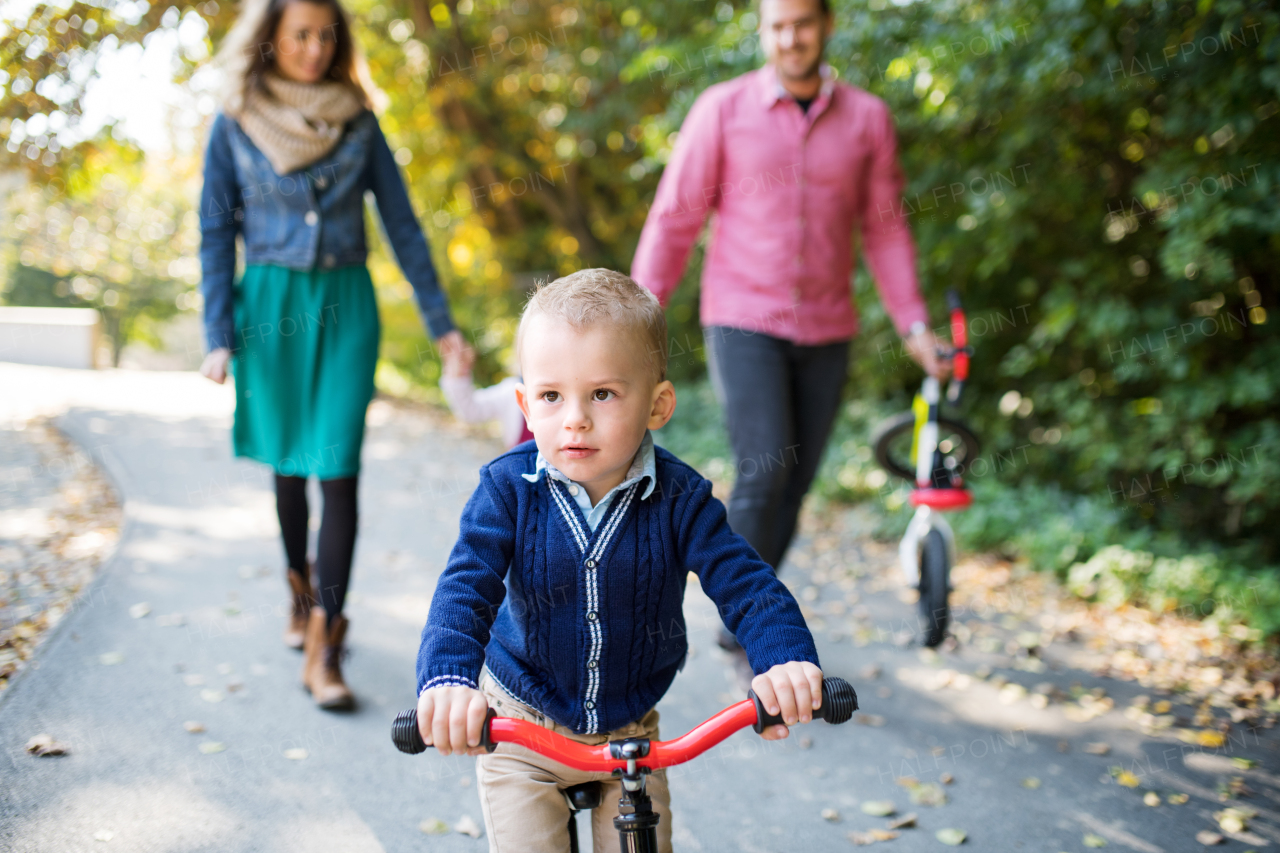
(923, 347)
(792, 689)
(215, 365)
(452, 718)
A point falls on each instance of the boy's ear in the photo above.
(664, 404)
(522, 400)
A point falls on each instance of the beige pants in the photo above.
(521, 791)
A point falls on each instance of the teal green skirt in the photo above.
(306, 349)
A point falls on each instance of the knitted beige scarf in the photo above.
(295, 124)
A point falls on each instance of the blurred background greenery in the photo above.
(1098, 178)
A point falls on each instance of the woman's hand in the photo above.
(215, 365)
(452, 344)
(451, 719)
(793, 690)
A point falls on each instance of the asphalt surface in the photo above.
(200, 548)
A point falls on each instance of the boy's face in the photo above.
(588, 397)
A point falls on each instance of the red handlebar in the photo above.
(839, 701)
(600, 759)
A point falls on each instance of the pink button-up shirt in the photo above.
(788, 189)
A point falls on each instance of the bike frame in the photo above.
(633, 759)
(937, 489)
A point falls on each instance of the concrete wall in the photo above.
(54, 337)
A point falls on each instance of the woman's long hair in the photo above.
(247, 53)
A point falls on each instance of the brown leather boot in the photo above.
(321, 668)
(304, 598)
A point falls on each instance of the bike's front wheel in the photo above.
(892, 440)
(935, 583)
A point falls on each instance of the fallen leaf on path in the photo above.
(43, 745)
(110, 658)
(1091, 840)
(193, 727)
(928, 794)
(467, 826)
(951, 837)
(946, 778)
(1234, 820)
(1127, 779)
(103, 835)
(1151, 798)
(211, 695)
(831, 815)
(907, 821)
(1178, 799)
(1011, 693)
(210, 747)
(1208, 837)
(295, 754)
(874, 720)
(871, 836)
(1244, 763)
(139, 610)
(1097, 748)
(433, 826)
(1162, 707)
(1031, 783)
(879, 808)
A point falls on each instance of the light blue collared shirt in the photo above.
(643, 465)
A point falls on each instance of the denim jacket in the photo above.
(311, 218)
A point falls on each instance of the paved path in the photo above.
(199, 546)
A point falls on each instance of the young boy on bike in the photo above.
(561, 601)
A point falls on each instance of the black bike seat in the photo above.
(584, 797)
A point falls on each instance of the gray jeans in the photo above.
(780, 400)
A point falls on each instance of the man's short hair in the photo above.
(591, 297)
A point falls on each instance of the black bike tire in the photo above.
(935, 571)
(890, 429)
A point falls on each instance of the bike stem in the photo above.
(637, 822)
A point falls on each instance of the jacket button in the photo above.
(592, 664)
(591, 616)
(311, 218)
(573, 489)
(589, 705)
(591, 564)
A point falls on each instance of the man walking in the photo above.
(791, 162)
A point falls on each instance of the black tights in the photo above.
(337, 534)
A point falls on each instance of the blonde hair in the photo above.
(592, 297)
(246, 54)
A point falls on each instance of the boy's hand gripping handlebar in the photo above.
(839, 701)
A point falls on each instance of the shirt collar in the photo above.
(643, 465)
(772, 90)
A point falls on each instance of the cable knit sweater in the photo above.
(588, 627)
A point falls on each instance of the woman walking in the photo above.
(289, 160)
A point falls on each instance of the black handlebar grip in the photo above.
(407, 738)
(839, 701)
(405, 734)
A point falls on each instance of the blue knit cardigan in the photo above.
(588, 627)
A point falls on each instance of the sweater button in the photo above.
(589, 705)
(591, 564)
(573, 490)
(311, 218)
(591, 616)
(591, 664)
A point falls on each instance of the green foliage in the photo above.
(120, 238)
